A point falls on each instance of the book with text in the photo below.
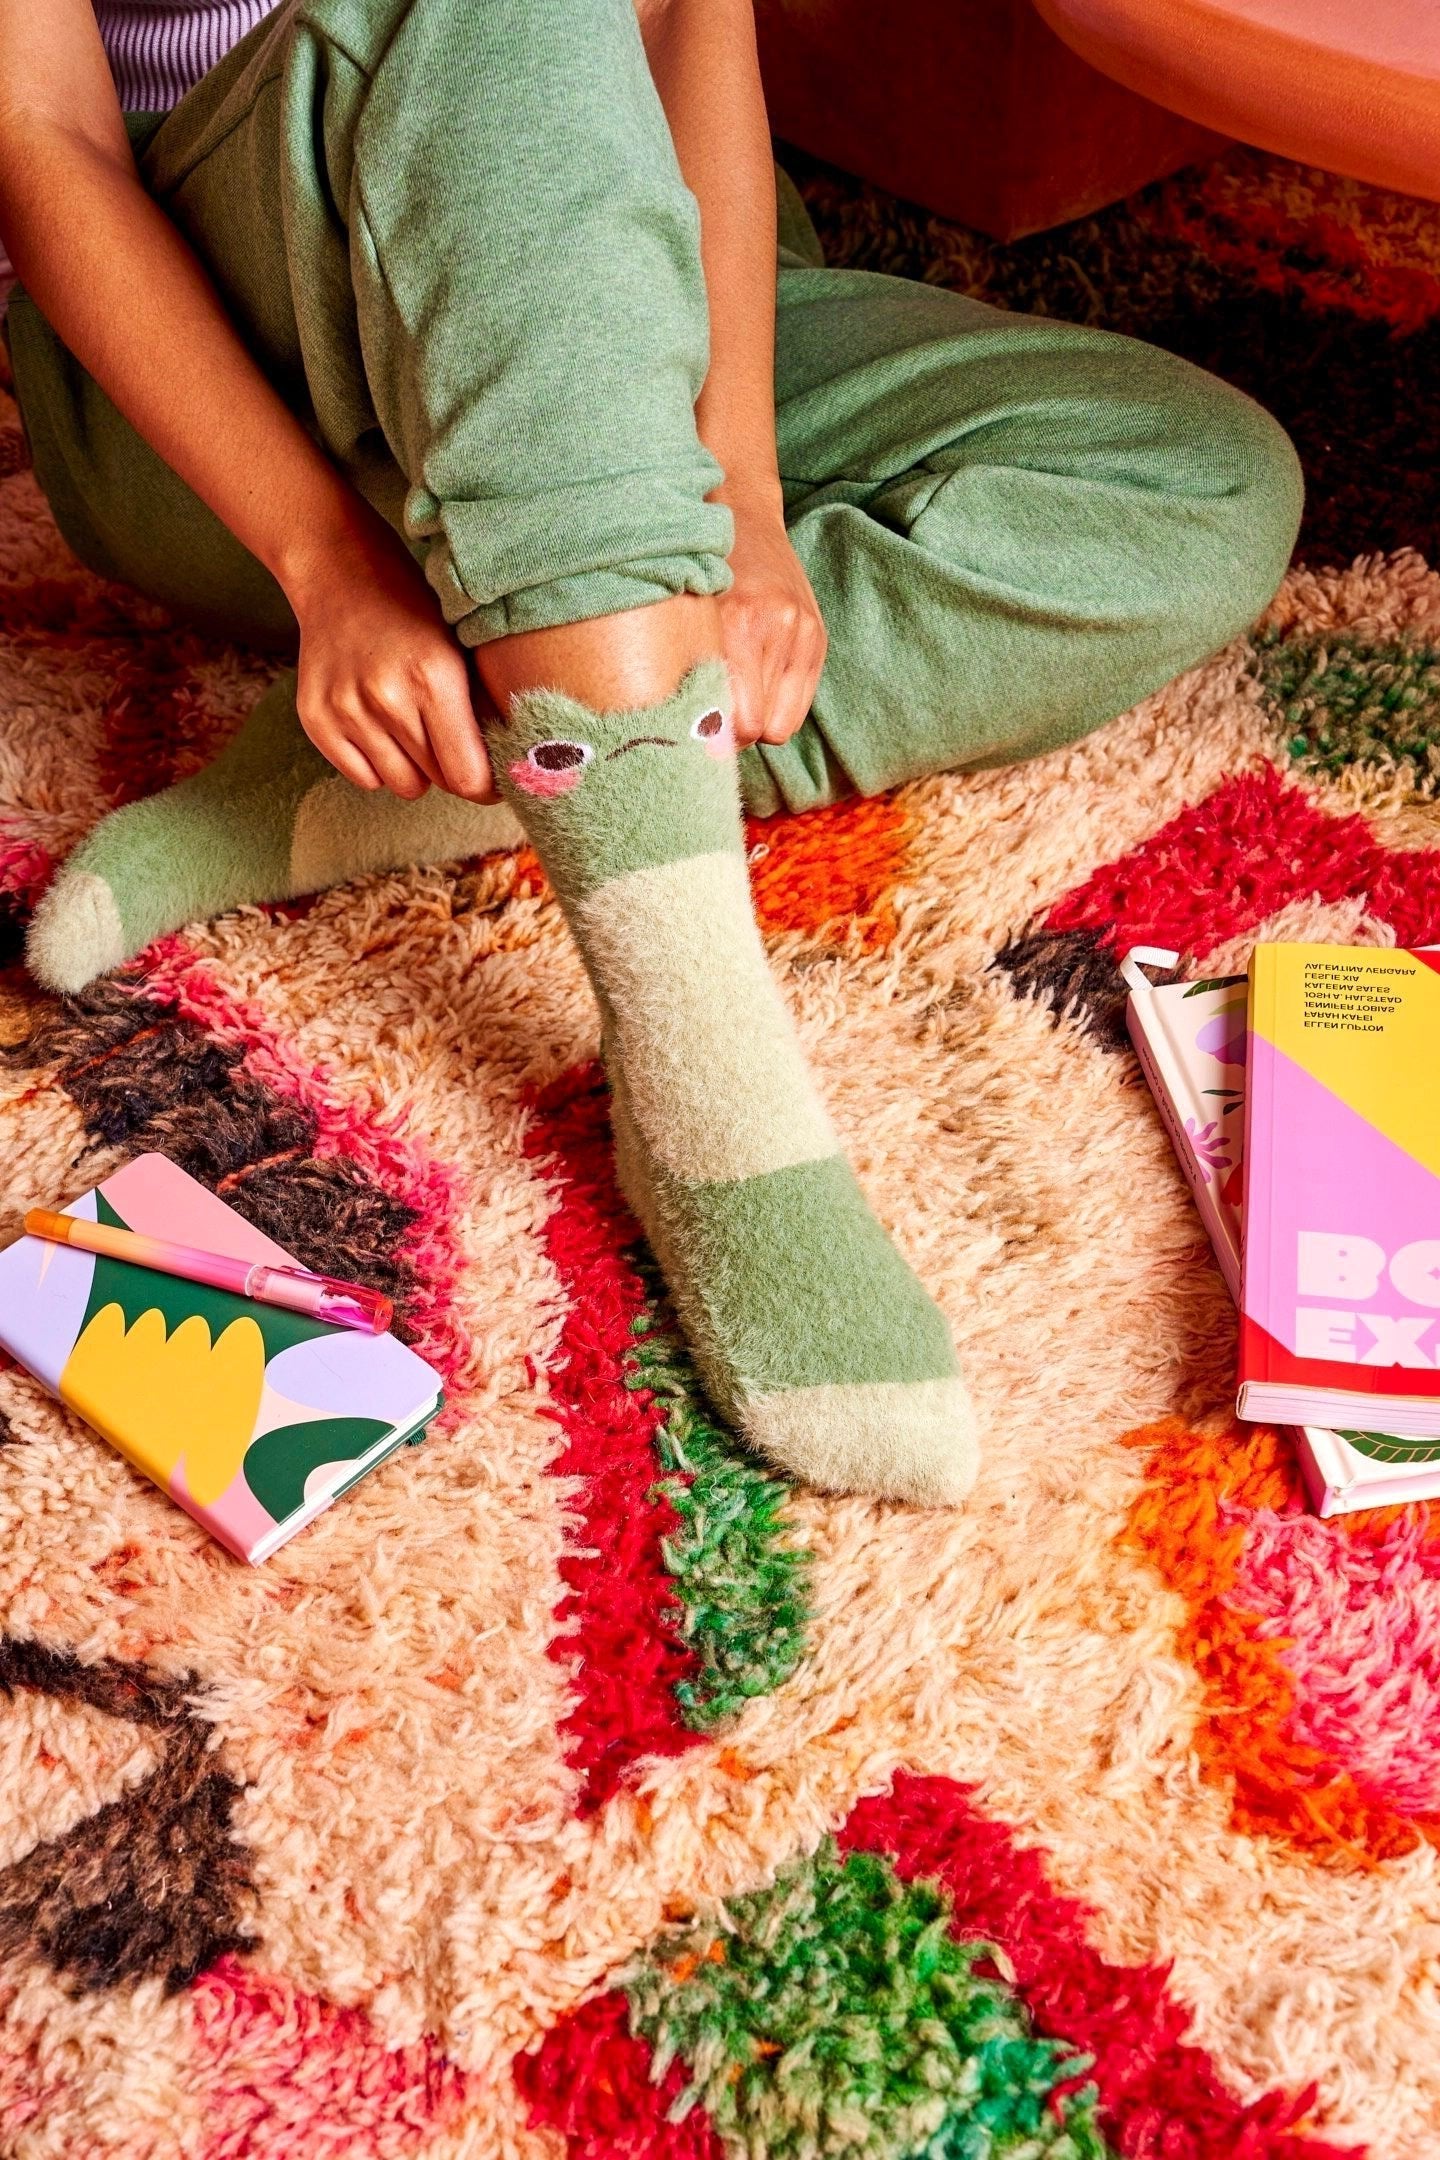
(1191, 1040)
(1340, 1302)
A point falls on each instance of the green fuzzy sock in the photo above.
(810, 1331)
(270, 819)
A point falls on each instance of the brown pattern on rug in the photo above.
(154, 1885)
(144, 1077)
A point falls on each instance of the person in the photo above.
(447, 339)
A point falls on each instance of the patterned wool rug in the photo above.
(578, 1788)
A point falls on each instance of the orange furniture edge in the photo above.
(973, 108)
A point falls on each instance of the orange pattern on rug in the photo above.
(833, 870)
(1204, 1493)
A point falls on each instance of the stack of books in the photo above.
(1303, 1104)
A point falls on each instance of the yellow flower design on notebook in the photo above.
(143, 1380)
(249, 1417)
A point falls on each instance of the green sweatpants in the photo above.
(456, 238)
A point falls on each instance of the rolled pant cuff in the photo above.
(567, 553)
(582, 597)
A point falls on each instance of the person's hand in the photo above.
(772, 635)
(385, 691)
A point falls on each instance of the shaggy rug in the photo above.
(578, 1788)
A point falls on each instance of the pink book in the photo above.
(1340, 1312)
(1192, 1041)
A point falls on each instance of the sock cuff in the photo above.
(540, 714)
(602, 794)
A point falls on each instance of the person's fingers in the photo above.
(398, 771)
(789, 704)
(330, 732)
(775, 649)
(388, 702)
(746, 710)
(453, 733)
(793, 690)
(351, 763)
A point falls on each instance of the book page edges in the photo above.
(1259, 1119)
(1173, 1093)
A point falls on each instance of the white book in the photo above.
(1190, 1038)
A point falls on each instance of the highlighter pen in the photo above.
(342, 1304)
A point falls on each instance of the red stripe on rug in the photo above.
(1220, 868)
(618, 1613)
(77, 611)
(26, 869)
(1159, 2095)
(1327, 264)
(1406, 894)
(590, 2080)
(147, 721)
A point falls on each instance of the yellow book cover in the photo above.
(1341, 1285)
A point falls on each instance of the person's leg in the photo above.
(810, 1331)
(394, 312)
(270, 819)
(1015, 528)
(507, 292)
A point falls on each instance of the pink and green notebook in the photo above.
(1341, 1293)
(251, 1418)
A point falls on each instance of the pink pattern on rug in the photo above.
(26, 2090)
(285, 2072)
(177, 978)
(1221, 867)
(1159, 2095)
(618, 1614)
(1356, 1615)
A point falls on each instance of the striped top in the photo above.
(159, 48)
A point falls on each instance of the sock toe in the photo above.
(906, 1440)
(76, 933)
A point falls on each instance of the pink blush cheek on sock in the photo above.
(534, 781)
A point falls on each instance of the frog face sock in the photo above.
(269, 820)
(811, 1333)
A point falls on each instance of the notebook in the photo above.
(1191, 1040)
(252, 1419)
(1340, 1304)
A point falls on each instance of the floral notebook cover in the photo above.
(251, 1418)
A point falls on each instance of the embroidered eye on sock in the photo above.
(812, 1334)
(269, 820)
